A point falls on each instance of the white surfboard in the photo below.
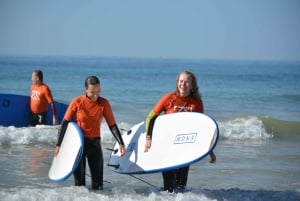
(69, 154)
(178, 140)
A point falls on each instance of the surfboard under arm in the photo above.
(187, 138)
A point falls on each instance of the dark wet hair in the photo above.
(39, 73)
(93, 80)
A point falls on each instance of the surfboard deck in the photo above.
(14, 110)
(68, 158)
(178, 140)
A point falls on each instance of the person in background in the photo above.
(88, 111)
(186, 98)
(40, 97)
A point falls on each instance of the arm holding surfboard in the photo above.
(88, 111)
(114, 129)
(149, 126)
(61, 134)
(117, 134)
(186, 98)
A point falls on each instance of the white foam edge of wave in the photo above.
(248, 127)
(132, 194)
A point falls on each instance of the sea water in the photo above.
(256, 105)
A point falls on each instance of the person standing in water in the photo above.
(88, 111)
(40, 97)
(186, 98)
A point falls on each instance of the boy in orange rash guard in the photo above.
(40, 97)
(88, 111)
(186, 98)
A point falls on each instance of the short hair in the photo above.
(39, 73)
(93, 80)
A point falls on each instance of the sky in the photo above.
(199, 29)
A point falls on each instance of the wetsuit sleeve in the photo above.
(163, 103)
(117, 134)
(150, 123)
(72, 110)
(110, 120)
(159, 107)
(61, 132)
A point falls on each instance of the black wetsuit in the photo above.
(38, 119)
(93, 153)
(175, 179)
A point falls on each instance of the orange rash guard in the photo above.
(171, 103)
(88, 114)
(40, 96)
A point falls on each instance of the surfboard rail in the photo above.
(68, 158)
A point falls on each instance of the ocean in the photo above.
(255, 103)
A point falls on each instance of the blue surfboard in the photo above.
(14, 110)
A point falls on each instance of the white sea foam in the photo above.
(249, 127)
(131, 194)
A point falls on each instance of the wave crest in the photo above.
(249, 127)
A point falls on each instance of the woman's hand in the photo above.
(122, 149)
(56, 151)
(148, 144)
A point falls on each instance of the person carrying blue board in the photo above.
(186, 98)
(88, 111)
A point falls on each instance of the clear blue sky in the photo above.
(202, 29)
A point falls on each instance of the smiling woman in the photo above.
(186, 98)
(92, 86)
